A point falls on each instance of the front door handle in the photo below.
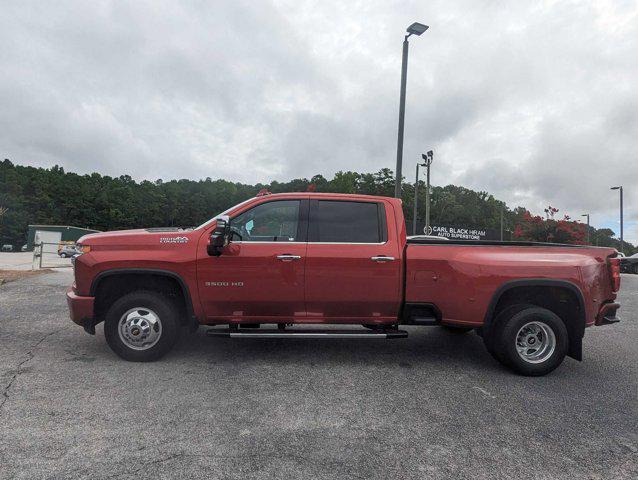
(382, 258)
(287, 257)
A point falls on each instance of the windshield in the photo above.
(225, 212)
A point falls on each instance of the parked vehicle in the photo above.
(24, 248)
(67, 250)
(629, 264)
(311, 258)
(7, 248)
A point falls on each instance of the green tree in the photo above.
(54, 196)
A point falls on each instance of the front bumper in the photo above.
(81, 310)
(608, 314)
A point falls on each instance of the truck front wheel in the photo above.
(142, 326)
(533, 341)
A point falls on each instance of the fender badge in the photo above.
(173, 240)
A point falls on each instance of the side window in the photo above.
(347, 222)
(268, 222)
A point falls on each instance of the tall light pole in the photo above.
(428, 157)
(621, 220)
(414, 29)
(587, 215)
(502, 208)
(416, 197)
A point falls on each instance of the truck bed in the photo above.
(462, 279)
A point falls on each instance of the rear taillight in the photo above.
(614, 272)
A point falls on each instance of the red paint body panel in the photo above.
(139, 250)
(248, 283)
(337, 282)
(344, 285)
(80, 308)
(462, 279)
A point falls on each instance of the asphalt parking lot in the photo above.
(434, 405)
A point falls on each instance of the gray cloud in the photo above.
(534, 102)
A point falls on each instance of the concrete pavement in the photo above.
(434, 405)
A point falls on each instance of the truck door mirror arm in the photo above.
(220, 237)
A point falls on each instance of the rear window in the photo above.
(346, 222)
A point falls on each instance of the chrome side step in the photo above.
(306, 333)
(424, 321)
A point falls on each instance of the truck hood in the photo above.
(147, 236)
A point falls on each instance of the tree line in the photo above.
(30, 195)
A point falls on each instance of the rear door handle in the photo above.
(287, 257)
(382, 258)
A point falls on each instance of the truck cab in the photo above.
(297, 259)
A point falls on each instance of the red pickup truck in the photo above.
(311, 258)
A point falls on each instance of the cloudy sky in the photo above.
(535, 102)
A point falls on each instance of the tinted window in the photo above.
(345, 222)
(268, 222)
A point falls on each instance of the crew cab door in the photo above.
(353, 264)
(260, 274)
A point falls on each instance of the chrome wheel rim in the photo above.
(140, 328)
(535, 342)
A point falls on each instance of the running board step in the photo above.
(306, 333)
(424, 321)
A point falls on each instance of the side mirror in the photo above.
(220, 237)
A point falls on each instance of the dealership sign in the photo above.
(462, 233)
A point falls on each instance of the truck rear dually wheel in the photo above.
(531, 340)
(142, 326)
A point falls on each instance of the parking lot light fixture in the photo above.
(587, 215)
(416, 197)
(429, 158)
(414, 29)
(621, 219)
(417, 28)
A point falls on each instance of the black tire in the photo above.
(158, 305)
(634, 268)
(456, 330)
(504, 336)
(502, 317)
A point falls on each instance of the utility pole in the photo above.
(414, 29)
(587, 215)
(502, 208)
(428, 157)
(621, 219)
(416, 197)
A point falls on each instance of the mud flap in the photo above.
(576, 348)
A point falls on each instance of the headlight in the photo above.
(80, 249)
